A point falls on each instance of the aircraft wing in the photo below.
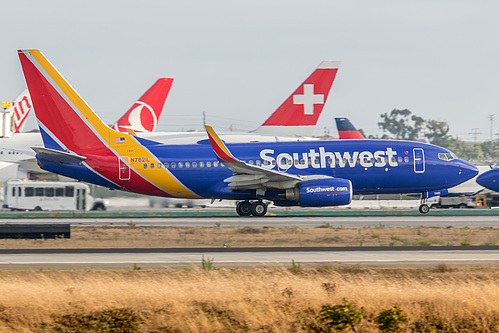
(247, 176)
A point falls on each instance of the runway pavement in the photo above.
(442, 221)
(251, 257)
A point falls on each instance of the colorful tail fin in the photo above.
(91, 150)
(66, 121)
(299, 114)
(346, 130)
(143, 116)
(21, 108)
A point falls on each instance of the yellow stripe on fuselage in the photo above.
(161, 178)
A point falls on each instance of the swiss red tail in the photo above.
(144, 114)
(299, 114)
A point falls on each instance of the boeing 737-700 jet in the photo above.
(79, 145)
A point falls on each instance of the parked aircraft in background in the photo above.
(489, 179)
(79, 145)
(20, 109)
(346, 130)
(294, 120)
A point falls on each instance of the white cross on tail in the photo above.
(308, 99)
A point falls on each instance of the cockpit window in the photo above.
(447, 156)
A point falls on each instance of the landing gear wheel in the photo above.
(258, 208)
(424, 209)
(243, 208)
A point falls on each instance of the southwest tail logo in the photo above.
(298, 115)
(144, 114)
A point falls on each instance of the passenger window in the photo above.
(400, 159)
(258, 162)
(70, 191)
(201, 164)
(208, 164)
(194, 164)
(215, 164)
(166, 165)
(187, 164)
(251, 162)
(39, 191)
(59, 192)
(160, 165)
(152, 165)
(28, 192)
(145, 165)
(49, 191)
(180, 164)
(406, 159)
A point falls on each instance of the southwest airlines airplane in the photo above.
(79, 145)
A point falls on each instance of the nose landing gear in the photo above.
(255, 208)
(424, 208)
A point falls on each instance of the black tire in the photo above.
(38, 208)
(424, 209)
(462, 206)
(258, 208)
(243, 208)
(99, 206)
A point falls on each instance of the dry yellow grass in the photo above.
(249, 300)
(147, 237)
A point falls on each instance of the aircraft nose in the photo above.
(467, 170)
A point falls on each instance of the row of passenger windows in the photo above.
(215, 164)
(9, 152)
(67, 191)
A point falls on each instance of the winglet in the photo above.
(219, 147)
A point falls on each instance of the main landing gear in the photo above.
(424, 208)
(255, 208)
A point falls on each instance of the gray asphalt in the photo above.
(442, 221)
(127, 260)
(162, 258)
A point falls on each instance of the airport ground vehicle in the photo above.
(452, 201)
(33, 195)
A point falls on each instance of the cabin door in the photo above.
(419, 163)
(124, 163)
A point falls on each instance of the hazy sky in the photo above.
(237, 61)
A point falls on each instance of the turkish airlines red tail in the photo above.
(299, 114)
(20, 108)
(144, 114)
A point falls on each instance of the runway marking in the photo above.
(234, 262)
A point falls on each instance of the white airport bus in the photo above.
(41, 195)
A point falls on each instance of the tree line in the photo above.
(404, 125)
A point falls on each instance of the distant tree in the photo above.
(402, 125)
(437, 132)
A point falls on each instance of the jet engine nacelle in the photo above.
(322, 192)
